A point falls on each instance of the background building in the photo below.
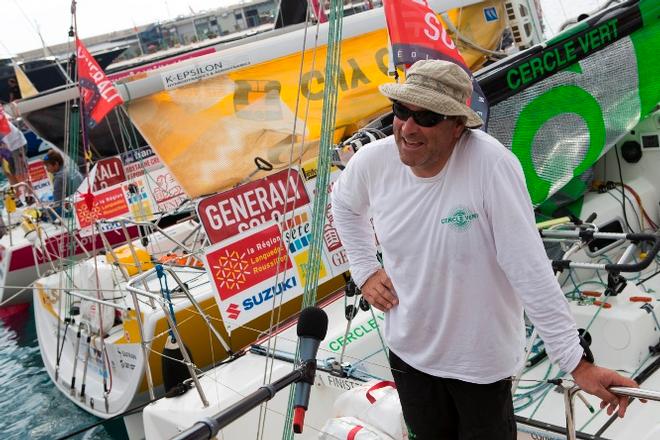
(179, 31)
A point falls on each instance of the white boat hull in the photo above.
(19, 268)
(125, 362)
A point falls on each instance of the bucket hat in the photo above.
(437, 85)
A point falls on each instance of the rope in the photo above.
(275, 321)
(330, 93)
(165, 291)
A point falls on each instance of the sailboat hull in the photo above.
(21, 263)
(116, 380)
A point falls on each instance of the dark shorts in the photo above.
(436, 408)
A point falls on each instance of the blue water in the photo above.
(31, 407)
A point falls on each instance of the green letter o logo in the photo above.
(557, 101)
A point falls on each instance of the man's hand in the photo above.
(595, 380)
(379, 291)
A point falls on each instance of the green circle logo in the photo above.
(555, 102)
(460, 219)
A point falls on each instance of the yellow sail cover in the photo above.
(209, 132)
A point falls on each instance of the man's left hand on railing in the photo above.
(596, 380)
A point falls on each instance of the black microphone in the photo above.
(312, 328)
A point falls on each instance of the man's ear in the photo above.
(459, 127)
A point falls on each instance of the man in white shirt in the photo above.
(461, 258)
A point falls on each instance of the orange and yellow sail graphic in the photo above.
(210, 131)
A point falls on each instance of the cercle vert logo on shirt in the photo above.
(460, 218)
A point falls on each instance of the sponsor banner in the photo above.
(140, 161)
(253, 267)
(37, 171)
(209, 142)
(239, 209)
(141, 204)
(145, 166)
(41, 184)
(192, 73)
(108, 204)
(357, 331)
(297, 234)
(109, 172)
(249, 272)
(263, 255)
(98, 94)
(167, 192)
(43, 189)
(136, 156)
(333, 249)
(158, 64)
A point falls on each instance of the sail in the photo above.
(561, 106)
(216, 116)
(24, 84)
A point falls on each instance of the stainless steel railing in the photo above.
(571, 392)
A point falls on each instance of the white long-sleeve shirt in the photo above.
(463, 254)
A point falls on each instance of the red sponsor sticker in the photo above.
(248, 262)
(109, 172)
(228, 213)
(107, 205)
(37, 171)
(4, 123)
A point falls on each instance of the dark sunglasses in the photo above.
(423, 118)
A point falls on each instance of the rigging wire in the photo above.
(623, 205)
(330, 94)
(624, 198)
(645, 214)
(303, 149)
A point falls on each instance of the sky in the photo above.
(21, 18)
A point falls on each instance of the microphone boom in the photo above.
(312, 328)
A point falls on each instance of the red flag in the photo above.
(319, 12)
(416, 33)
(4, 124)
(98, 94)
